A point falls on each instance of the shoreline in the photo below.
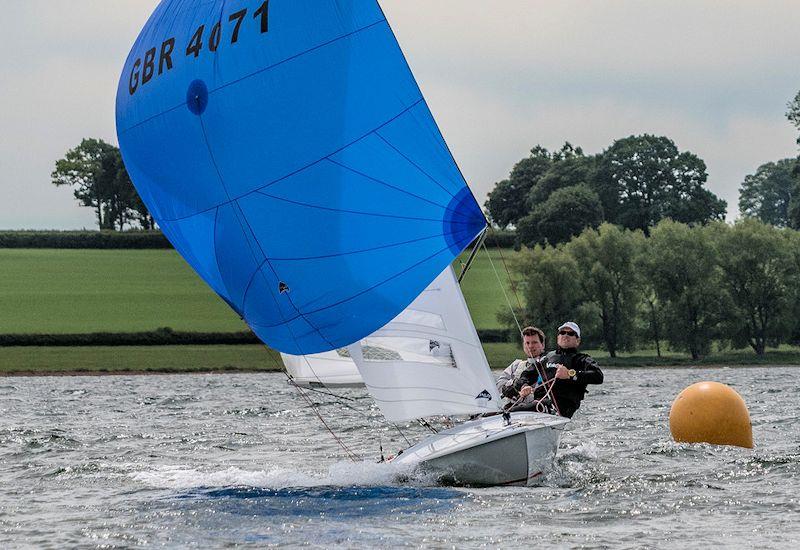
(221, 359)
(217, 371)
(74, 373)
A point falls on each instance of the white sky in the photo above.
(500, 76)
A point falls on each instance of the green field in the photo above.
(139, 359)
(482, 289)
(79, 291)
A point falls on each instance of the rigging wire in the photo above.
(351, 455)
(503, 288)
(337, 397)
(508, 271)
(323, 392)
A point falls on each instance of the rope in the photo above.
(547, 384)
(339, 399)
(548, 390)
(319, 380)
(351, 455)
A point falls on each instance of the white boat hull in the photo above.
(486, 451)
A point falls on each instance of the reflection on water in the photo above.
(216, 460)
(340, 503)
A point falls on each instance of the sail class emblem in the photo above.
(484, 395)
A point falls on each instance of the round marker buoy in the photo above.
(710, 412)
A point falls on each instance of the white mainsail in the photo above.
(428, 360)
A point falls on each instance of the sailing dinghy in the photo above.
(286, 151)
(428, 362)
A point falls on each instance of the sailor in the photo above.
(562, 374)
(533, 341)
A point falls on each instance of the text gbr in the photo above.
(144, 69)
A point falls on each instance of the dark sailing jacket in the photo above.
(568, 393)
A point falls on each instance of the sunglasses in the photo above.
(566, 333)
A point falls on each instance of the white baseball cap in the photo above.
(574, 326)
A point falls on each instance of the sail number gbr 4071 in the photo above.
(206, 40)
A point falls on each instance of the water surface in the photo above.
(241, 459)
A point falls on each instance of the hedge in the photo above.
(158, 337)
(84, 239)
(145, 239)
(501, 238)
(167, 337)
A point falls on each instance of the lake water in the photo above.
(240, 459)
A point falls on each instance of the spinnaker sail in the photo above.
(285, 149)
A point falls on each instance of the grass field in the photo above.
(482, 289)
(78, 291)
(141, 359)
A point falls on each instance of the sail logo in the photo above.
(484, 395)
(144, 68)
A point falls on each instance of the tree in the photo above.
(606, 258)
(550, 286)
(84, 169)
(96, 171)
(651, 314)
(506, 204)
(768, 194)
(793, 238)
(681, 264)
(759, 274)
(793, 113)
(649, 179)
(565, 214)
(116, 190)
(567, 171)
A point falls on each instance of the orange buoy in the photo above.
(710, 412)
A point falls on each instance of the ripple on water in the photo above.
(239, 459)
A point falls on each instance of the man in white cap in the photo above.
(562, 374)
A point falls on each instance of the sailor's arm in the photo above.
(591, 373)
(505, 382)
(506, 376)
(527, 378)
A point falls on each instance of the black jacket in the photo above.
(568, 393)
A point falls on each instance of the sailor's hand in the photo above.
(562, 372)
(525, 391)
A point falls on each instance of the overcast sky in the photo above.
(500, 76)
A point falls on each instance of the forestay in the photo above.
(286, 151)
(438, 366)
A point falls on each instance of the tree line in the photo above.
(684, 286)
(549, 197)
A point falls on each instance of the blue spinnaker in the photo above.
(285, 149)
